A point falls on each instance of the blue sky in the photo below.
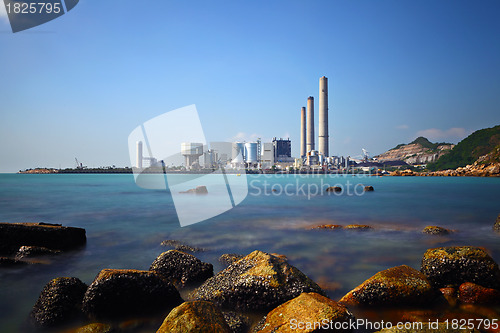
(78, 85)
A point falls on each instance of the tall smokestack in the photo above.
(310, 124)
(138, 162)
(323, 116)
(303, 150)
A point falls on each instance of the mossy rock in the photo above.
(229, 258)
(96, 328)
(361, 227)
(118, 293)
(435, 230)
(195, 317)
(259, 281)
(452, 266)
(182, 268)
(59, 302)
(401, 285)
(307, 309)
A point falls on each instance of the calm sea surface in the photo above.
(125, 225)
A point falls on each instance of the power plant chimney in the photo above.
(303, 151)
(310, 124)
(323, 116)
(138, 163)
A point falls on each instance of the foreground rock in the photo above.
(117, 293)
(182, 268)
(425, 327)
(300, 314)
(458, 264)
(401, 285)
(51, 236)
(238, 323)
(229, 258)
(259, 281)
(195, 317)
(96, 328)
(496, 226)
(59, 302)
(435, 230)
(469, 292)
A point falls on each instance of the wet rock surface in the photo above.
(458, 264)
(435, 230)
(195, 317)
(182, 268)
(96, 328)
(327, 226)
(401, 285)
(237, 322)
(307, 308)
(229, 258)
(259, 281)
(59, 302)
(178, 245)
(117, 293)
(360, 227)
(469, 292)
(51, 236)
(496, 226)
(34, 251)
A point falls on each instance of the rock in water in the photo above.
(458, 264)
(198, 190)
(182, 268)
(96, 328)
(469, 292)
(229, 258)
(52, 236)
(401, 285)
(301, 313)
(259, 281)
(59, 302)
(334, 189)
(120, 292)
(435, 230)
(34, 251)
(195, 317)
(496, 226)
(369, 189)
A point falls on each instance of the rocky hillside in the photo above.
(420, 151)
(479, 146)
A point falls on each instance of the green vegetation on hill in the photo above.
(469, 149)
(424, 142)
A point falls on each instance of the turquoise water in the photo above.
(125, 225)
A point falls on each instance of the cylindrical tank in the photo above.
(191, 149)
(139, 155)
(238, 148)
(310, 124)
(251, 152)
(303, 150)
(323, 116)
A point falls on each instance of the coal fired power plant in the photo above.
(308, 151)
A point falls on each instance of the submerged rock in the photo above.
(327, 226)
(51, 236)
(120, 292)
(259, 281)
(301, 313)
(435, 230)
(177, 245)
(182, 268)
(357, 227)
(198, 190)
(34, 251)
(334, 189)
(59, 302)
(469, 292)
(496, 226)
(195, 317)
(401, 285)
(458, 264)
(229, 258)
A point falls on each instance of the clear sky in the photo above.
(78, 85)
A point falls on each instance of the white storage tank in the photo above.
(251, 152)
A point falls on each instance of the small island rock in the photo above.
(435, 230)
(195, 317)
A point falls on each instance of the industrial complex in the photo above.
(258, 155)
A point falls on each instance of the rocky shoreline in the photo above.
(262, 292)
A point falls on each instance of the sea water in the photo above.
(125, 225)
